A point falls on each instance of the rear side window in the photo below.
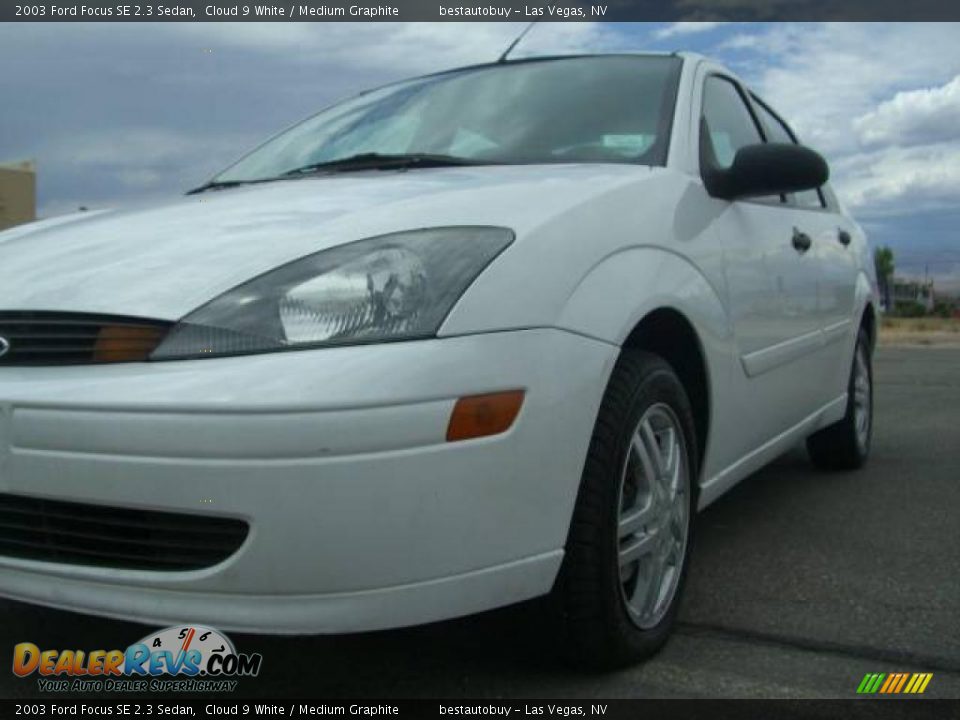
(727, 122)
(777, 131)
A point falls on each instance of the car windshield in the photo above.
(565, 110)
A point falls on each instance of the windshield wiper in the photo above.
(383, 161)
(215, 185)
(362, 161)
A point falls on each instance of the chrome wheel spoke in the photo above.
(861, 396)
(672, 476)
(652, 521)
(678, 521)
(649, 595)
(659, 575)
(646, 449)
(637, 520)
(635, 548)
(670, 551)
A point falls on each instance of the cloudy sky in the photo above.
(116, 113)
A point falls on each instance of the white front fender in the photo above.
(628, 285)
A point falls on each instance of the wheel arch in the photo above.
(865, 308)
(668, 333)
(651, 298)
(868, 322)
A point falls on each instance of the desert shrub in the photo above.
(943, 309)
(909, 308)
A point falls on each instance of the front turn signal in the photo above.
(126, 343)
(478, 416)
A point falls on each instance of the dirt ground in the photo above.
(928, 331)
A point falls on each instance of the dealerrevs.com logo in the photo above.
(182, 658)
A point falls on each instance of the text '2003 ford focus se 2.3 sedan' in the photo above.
(473, 338)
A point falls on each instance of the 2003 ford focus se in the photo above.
(461, 341)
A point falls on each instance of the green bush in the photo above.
(943, 309)
(909, 309)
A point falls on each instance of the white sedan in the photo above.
(454, 343)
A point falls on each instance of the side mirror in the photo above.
(767, 169)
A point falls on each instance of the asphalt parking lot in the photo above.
(801, 583)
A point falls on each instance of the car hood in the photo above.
(164, 260)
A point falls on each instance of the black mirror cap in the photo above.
(768, 169)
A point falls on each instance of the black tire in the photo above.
(843, 446)
(590, 592)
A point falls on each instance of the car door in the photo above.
(771, 280)
(831, 233)
(838, 287)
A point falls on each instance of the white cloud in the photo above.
(741, 41)
(914, 117)
(857, 92)
(825, 76)
(557, 38)
(400, 49)
(895, 180)
(685, 28)
(138, 146)
(756, 10)
(142, 161)
(147, 147)
(160, 107)
(140, 179)
(880, 100)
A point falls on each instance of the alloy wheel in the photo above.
(653, 516)
(861, 397)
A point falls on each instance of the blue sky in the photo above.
(118, 113)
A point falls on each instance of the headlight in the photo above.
(393, 287)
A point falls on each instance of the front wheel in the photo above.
(845, 445)
(626, 555)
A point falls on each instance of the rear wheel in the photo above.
(626, 556)
(845, 445)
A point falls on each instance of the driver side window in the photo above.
(778, 132)
(727, 122)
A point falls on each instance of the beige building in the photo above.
(18, 193)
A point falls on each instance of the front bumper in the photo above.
(361, 515)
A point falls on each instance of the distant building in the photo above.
(18, 194)
(910, 291)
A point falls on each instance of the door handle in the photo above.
(843, 237)
(801, 241)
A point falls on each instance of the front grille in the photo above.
(102, 536)
(56, 338)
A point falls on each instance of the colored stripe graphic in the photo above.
(870, 683)
(918, 683)
(894, 683)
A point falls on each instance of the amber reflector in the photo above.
(126, 343)
(481, 415)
